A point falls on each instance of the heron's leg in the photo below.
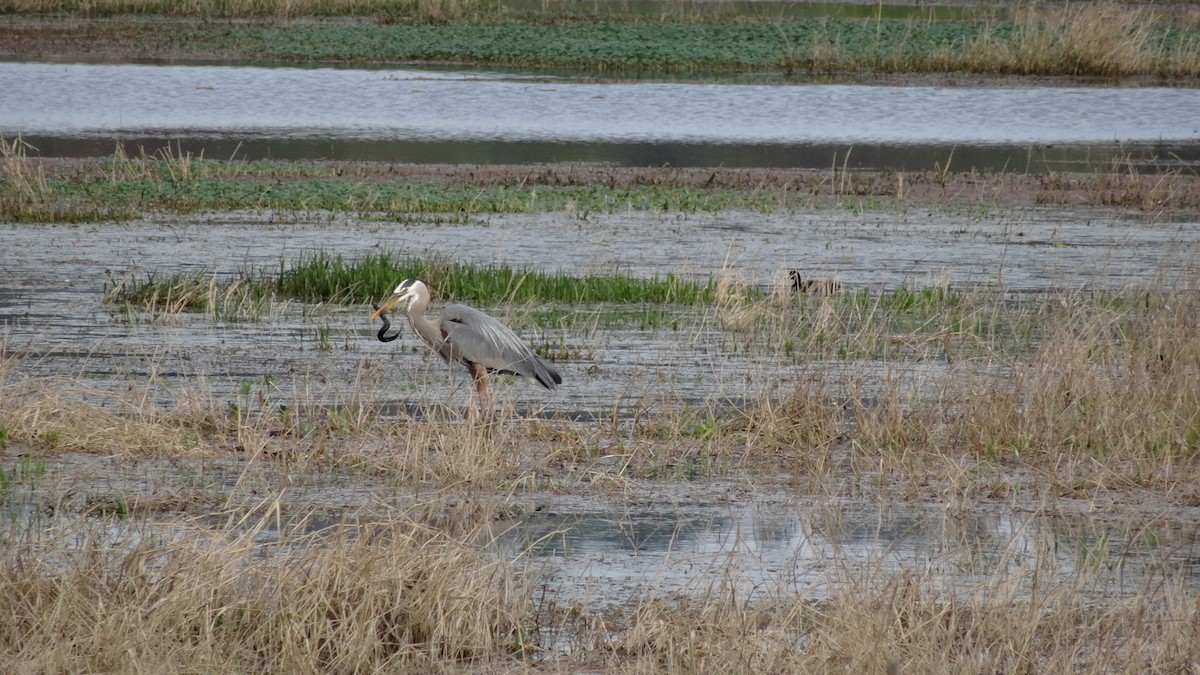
(479, 375)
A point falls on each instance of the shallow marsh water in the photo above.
(601, 550)
(592, 546)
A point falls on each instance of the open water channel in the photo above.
(406, 115)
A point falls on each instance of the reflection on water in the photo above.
(626, 554)
(420, 116)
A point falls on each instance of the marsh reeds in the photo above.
(235, 299)
(1043, 617)
(399, 594)
(1111, 386)
(1102, 39)
(25, 193)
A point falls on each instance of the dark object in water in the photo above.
(813, 286)
(386, 325)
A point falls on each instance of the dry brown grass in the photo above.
(395, 596)
(904, 622)
(1106, 38)
(63, 416)
(307, 428)
(402, 596)
(774, 429)
(166, 164)
(1113, 388)
(25, 193)
(994, 630)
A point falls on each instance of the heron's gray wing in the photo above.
(480, 338)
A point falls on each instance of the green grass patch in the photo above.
(323, 277)
(329, 278)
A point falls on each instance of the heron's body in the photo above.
(465, 335)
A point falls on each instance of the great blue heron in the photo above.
(466, 335)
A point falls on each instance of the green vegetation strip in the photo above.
(1088, 41)
(395, 197)
(812, 45)
(327, 278)
(184, 185)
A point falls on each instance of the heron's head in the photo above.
(406, 292)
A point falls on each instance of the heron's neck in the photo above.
(423, 326)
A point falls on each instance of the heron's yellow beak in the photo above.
(388, 304)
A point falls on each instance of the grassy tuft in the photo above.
(25, 193)
(237, 298)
